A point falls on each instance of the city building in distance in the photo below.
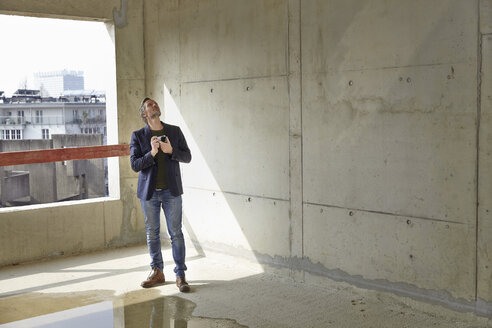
(59, 114)
(55, 83)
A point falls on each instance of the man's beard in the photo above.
(155, 115)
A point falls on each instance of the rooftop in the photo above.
(30, 96)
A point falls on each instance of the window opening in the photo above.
(39, 116)
(57, 92)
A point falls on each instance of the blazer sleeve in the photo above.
(138, 159)
(181, 152)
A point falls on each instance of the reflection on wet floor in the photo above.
(137, 309)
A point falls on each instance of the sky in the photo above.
(29, 45)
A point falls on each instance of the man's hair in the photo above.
(142, 109)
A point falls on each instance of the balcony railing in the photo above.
(19, 120)
(12, 120)
(52, 120)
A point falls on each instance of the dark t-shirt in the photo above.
(160, 157)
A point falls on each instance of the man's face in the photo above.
(151, 109)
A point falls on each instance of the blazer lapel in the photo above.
(147, 135)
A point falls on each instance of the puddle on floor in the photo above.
(146, 308)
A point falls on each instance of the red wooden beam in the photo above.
(62, 154)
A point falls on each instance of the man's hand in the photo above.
(166, 147)
(154, 143)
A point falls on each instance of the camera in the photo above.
(162, 138)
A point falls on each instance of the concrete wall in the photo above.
(389, 142)
(41, 176)
(85, 178)
(337, 137)
(348, 139)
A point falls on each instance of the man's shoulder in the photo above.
(171, 127)
(140, 131)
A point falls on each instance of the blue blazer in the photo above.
(143, 162)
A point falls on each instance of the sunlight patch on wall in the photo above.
(209, 215)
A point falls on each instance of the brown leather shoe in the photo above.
(182, 285)
(156, 277)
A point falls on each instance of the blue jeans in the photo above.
(172, 207)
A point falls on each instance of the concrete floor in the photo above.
(102, 289)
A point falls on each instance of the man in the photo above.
(155, 152)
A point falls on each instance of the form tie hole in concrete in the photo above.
(249, 199)
(213, 194)
(411, 256)
(248, 88)
(409, 222)
(58, 253)
(212, 90)
(351, 213)
(351, 83)
(451, 76)
(409, 80)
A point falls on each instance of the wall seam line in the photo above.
(143, 50)
(477, 168)
(385, 213)
(237, 79)
(287, 64)
(302, 132)
(237, 193)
